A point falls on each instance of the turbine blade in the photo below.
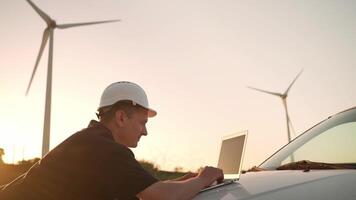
(64, 26)
(42, 14)
(43, 44)
(286, 92)
(264, 91)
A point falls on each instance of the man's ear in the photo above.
(120, 118)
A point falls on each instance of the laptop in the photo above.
(232, 151)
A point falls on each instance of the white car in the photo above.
(318, 164)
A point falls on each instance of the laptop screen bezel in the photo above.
(237, 134)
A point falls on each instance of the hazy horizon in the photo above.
(193, 58)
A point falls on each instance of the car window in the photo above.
(335, 145)
(332, 140)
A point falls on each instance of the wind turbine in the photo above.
(48, 34)
(284, 100)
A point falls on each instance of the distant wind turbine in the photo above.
(48, 33)
(284, 99)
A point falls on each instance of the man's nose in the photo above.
(144, 131)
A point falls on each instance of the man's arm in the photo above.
(186, 176)
(182, 190)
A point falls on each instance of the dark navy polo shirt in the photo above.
(87, 165)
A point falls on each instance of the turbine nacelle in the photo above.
(52, 24)
(284, 99)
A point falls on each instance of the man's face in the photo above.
(132, 128)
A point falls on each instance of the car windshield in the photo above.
(331, 144)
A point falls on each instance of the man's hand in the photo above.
(183, 189)
(253, 169)
(186, 176)
(211, 174)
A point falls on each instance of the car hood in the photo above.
(288, 184)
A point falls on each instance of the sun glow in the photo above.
(17, 136)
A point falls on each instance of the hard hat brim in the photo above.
(151, 112)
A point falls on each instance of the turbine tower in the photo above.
(284, 100)
(48, 34)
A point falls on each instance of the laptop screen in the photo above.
(231, 154)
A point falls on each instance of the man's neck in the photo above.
(114, 131)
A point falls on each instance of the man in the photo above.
(96, 162)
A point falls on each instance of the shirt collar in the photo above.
(96, 124)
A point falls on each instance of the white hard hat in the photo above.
(124, 90)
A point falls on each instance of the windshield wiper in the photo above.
(307, 165)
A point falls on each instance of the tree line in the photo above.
(8, 172)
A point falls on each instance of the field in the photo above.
(8, 172)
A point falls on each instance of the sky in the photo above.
(193, 58)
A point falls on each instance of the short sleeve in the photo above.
(123, 174)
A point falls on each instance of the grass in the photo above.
(9, 172)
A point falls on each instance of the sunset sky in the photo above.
(194, 59)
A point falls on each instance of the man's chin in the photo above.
(133, 145)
